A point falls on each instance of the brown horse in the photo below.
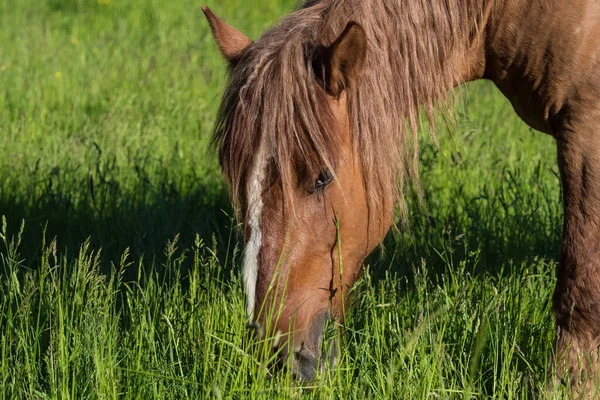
(316, 134)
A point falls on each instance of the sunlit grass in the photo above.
(124, 280)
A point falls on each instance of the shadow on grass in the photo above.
(514, 223)
(144, 229)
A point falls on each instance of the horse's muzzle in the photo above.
(314, 355)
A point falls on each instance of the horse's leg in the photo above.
(576, 300)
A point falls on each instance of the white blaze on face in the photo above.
(252, 250)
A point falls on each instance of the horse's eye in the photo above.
(324, 179)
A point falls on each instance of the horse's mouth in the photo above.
(306, 365)
(317, 355)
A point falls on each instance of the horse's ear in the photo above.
(231, 42)
(344, 58)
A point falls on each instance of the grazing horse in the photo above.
(317, 137)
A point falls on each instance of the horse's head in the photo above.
(298, 182)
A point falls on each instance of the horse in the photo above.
(316, 135)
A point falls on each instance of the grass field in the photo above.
(120, 263)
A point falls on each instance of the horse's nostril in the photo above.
(255, 329)
(305, 366)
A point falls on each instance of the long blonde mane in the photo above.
(274, 99)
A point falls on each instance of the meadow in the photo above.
(120, 261)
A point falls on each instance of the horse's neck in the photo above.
(467, 55)
(535, 51)
(508, 30)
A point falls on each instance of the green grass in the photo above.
(119, 263)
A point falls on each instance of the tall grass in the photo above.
(120, 262)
